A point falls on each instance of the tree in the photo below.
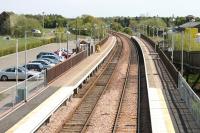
(127, 30)
(116, 26)
(20, 24)
(157, 22)
(133, 23)
(180, 21)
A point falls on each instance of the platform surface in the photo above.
(159, 113)
(70, 78)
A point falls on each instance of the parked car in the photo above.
(64, 54)
(36, 31)
(34, 67)
(45, 53)
(10, 74)
(51, 61)
(45, 63)
(55, 58)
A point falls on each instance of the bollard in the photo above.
(76, 91)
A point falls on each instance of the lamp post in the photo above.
(172, 20)
(146, 30)
(172, 47)
(17, 65)
(182, 52)
(94, 29)
(157, 37)
(25, 36)
(153, 31)
(149, 27)
(76, 36)
(43, 23)
(163, 38)
(67, 32)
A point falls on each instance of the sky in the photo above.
(104, 8)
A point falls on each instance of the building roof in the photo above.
(83, 42)
(190, 25)
(7, 13)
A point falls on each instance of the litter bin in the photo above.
(20, 95)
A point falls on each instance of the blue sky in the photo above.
(74, 8)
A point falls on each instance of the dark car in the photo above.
(34, 66)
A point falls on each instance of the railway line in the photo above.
(124, 116)
(79, 119)
(115, 99)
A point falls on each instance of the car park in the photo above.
(11, 74)
(34, 67)
(45, 63)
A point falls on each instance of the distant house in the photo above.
(189, 25)
(5, 22)
(190, 18)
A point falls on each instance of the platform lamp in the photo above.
(153, 31)
(43, 23)
(182, 41)
(25, 37)
(17, 63)
(68, 33)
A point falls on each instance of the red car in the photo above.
(63, 52)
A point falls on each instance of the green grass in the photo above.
(9, 46)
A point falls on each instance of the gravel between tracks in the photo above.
(104, 114)
(59, 118)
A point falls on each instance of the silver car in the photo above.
(11, 74)
(45, 63)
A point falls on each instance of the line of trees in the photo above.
(15, 25)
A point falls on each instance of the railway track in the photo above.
(126, 115)
(132, 110)
(83, 112)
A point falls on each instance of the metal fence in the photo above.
(191, 99)
(170, 67)
(187, 94)
(59, 69)
(20, 92)
(191, 58)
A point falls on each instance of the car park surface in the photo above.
(10, 60)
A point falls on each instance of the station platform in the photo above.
(160, 116)
(168, 113)
(21, 118)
